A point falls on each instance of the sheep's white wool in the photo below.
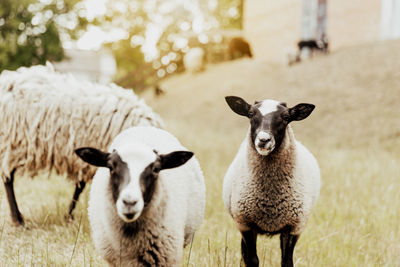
(238, 167)
(268, 106)
(46, 115)
(180, 193)
(307, 168)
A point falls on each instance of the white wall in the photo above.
(390, 19)
(309, 19)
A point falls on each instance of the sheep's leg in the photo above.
(78, 190)
(249, 248)
(288, 242)
(16, 215)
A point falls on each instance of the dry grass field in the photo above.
(354, 133)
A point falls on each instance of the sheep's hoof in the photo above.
(69, 217)
(18, 221)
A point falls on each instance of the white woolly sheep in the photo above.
(193, 60)
(45, 115)
(146, 205)
(274, 181)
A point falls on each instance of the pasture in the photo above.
(354, 133)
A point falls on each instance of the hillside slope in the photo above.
(356, 92)
(354, 133)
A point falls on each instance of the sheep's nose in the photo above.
(129, 203)
(265, 139)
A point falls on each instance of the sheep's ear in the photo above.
(93, 156)
(238, 105)
(298, 112)
(174, 159)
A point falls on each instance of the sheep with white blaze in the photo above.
(148, 199)
(45, 115)
(274, 181)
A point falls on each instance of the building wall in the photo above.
(390, 19)
(273, 27)
(95, 66)
(353, 22)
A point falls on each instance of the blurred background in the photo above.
(138, 43)
(183, 57)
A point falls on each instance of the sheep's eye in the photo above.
(251, 114)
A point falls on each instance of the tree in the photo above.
(160, 32)
(147, 53)
(229, 14)
(31, 30)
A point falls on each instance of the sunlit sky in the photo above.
(94, 36)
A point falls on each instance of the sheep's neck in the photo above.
(277, 165)
(145, 238)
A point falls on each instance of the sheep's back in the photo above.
(46, 115)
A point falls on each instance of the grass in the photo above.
(354, 133)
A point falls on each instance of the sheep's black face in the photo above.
(143, 168)
(119, 173)
(133, 175)
(267, 128)
(124, 183)
(148, 180)
(268, 120)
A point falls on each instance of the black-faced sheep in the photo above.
(320, 45)
(148, 201)
(274, 181)
(45, 115)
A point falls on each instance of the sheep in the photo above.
(239, 47)
(274, 181)
(318, 45)
(193, 60)
(143, 209)
(308, 48)
(45, 115)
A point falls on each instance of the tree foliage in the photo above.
(149, 51)
(31, 30)
(176, 22)
(229, 14)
